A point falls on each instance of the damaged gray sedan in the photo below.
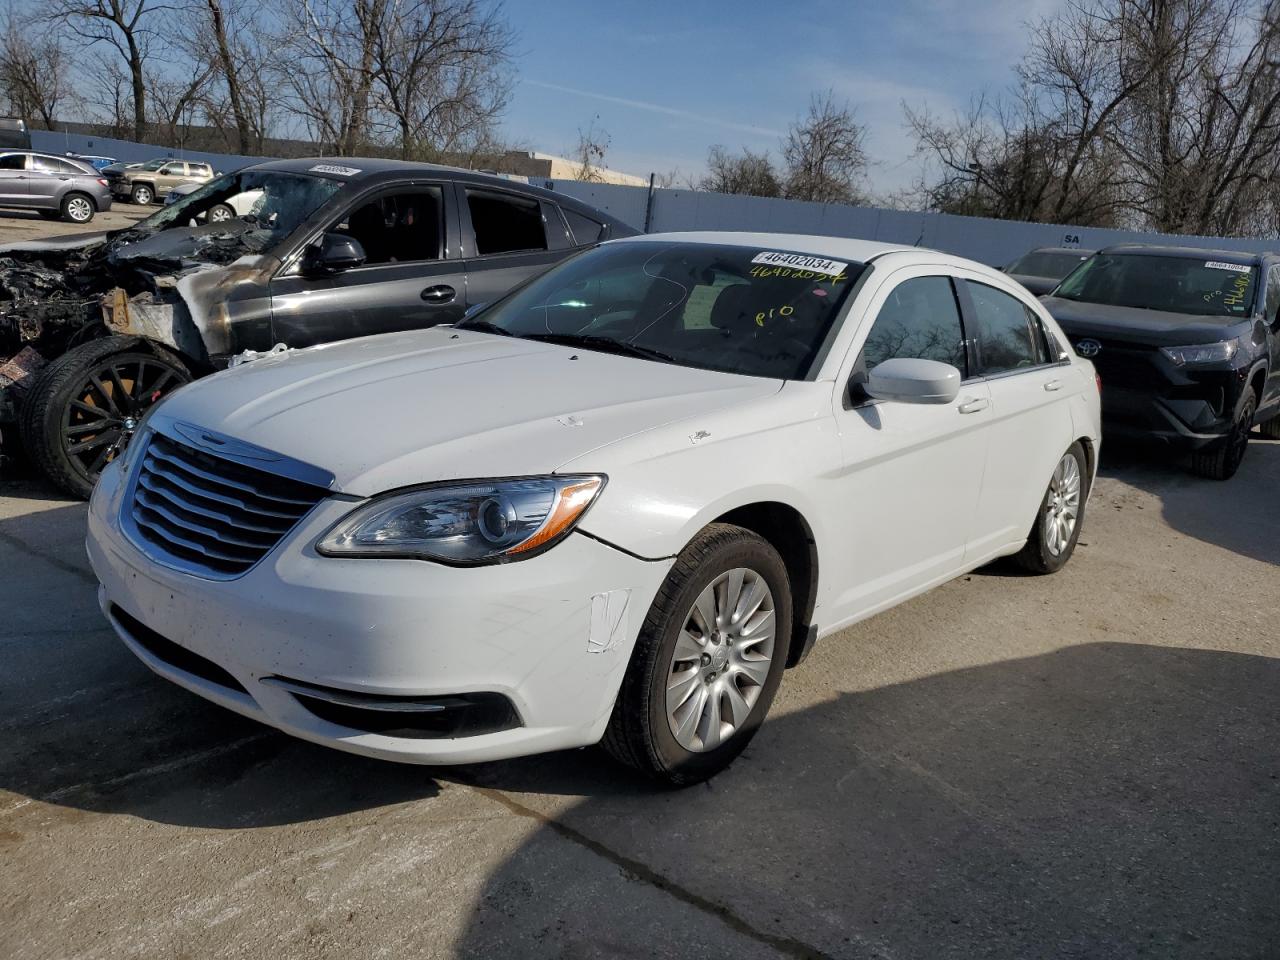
(95, 329)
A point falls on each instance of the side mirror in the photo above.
(334, 253)
(909, 380)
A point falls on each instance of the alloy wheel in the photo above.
(104, 413)
(1062, 505)
(79, 210)
(721, 660)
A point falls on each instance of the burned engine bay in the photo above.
(54, 296)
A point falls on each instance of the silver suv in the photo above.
(54, 186)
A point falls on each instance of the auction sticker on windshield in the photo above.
(800, 261)
(1233, 267)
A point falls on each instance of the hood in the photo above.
(1136, 325)
(400, 409)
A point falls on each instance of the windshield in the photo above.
(153, 164)
(1194, 285)
(273, 204)
(1043, 263)
(745, 310)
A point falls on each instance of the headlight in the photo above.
(1205, 353)
(492, 521)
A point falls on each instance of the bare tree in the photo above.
(593, 143)
(127, 26)
(745, 173)
(33, 73)
(441, 67)
(824, 153)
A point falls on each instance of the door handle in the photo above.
(1053, 385)
(974, 405)
(441, 293)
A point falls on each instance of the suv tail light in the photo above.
(102, 181)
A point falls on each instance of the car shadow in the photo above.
(1102, 800)
(1241, 514)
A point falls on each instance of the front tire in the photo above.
(220, 213)
(708, 660)
(84, 406)
(1222, 460)
(77, 208)
(1056, 531)
(142, 194)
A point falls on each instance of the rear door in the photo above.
(412, 276)
(1031, 418)
(507, 237)
(47, 179)
(14, 179)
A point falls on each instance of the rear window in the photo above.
(1046, 263)
(1203, 286)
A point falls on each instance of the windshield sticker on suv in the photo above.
(1233, 267)
(335, 169)
(798, 261)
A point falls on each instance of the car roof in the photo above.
(1082, 252)
(841, 248)
(1169, 250)
(370, 171)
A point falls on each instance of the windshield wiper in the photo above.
(603, 344)
(484, 326)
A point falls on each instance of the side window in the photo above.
(919, 320)
(1273, 293)
(44, 164)
(398, 227)
(585, 230)
(173, 170)
(13, 161)
(504, 223)
(1007, 332)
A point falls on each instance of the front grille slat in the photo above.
(215, 480)
(210, 515)
(242, 519)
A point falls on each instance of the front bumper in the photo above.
(551, 634)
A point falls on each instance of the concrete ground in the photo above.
(18, 225)
(1085, 765)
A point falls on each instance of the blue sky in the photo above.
(669, 79)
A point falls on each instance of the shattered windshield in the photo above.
(270, 203)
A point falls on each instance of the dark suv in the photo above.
(1187, 342)
(291, 252)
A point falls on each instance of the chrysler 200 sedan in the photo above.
(613, 505)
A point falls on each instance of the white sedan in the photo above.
(613, 505)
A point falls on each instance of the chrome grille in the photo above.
(210, 515)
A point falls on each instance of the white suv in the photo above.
(614, 504)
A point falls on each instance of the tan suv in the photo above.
(150, 181)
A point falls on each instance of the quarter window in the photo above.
(1007, 330)
(504, 223)
(919, 320)
(585, 230)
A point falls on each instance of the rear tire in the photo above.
(83, 407)
(1270, 428)
(1061, 515)
(77, 208)
(682, 731)
(142, 194)
(1223, 459)
(220, 213)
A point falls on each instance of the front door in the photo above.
(13, 180)
(410, 278)
(912, 472)
(1271, 390)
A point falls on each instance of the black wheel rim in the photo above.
(104, 412)
(1240, 437)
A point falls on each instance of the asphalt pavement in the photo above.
(1084, 765)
